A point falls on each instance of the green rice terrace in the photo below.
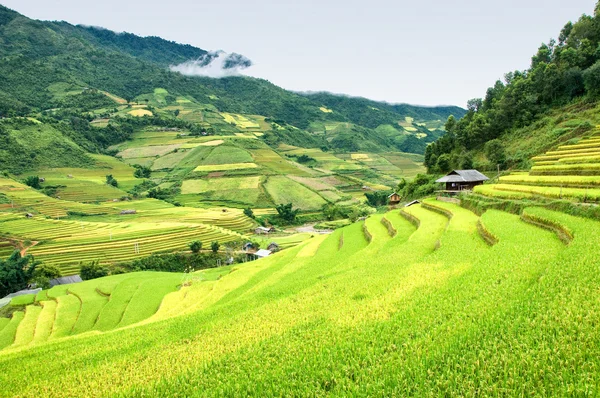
(570, 172)
(427, 300)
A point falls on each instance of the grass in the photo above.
(222, 155)
(225, 167)
(568, 180)
(214, 184)
(26, 330)
(337, 315)
(147, 151)
(140, 112)
(284, 190)
(7, 334)
(577, 194)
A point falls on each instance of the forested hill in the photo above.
(36, 57)
(530, 111)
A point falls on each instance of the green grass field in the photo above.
(285, 190)
(339, 313)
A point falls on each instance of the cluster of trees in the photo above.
(196, 246)
(18, 272)
(112, 181)
(142, 171)
(560, 72)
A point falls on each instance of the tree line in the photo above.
(561, 71)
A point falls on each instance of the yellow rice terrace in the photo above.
(429, 300)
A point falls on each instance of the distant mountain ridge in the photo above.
(37, 55)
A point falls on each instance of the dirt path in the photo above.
(24, 250)
(311, 229)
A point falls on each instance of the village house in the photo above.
(394, 199)
(273, 247)
(264, 230)
(462, 180)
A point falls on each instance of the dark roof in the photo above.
(463, 176)
(66, 280)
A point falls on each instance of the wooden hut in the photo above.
(462, 180)
(394, 199)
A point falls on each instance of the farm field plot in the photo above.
(283, 190)
(348, 307)
(227, 154)
(276, 164)
(409, 165)
(234, 191)
(216, 184)
(147, 151)
(225, 167)
(24, 198)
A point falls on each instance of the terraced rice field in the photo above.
(569, 172)
(68, 243)
(25, 199)
(284, 190)
(384, 307)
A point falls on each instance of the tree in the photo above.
(33, 182)
(215, 246)
(195, 246)
(443, 163)
(248, 212)
(176, 112)
(43, 274)
(16, 272)
(330, 211)
(494, 151)
(450, 124)
(591, 78)
(110, 180)
(92, 270)
(377, 198)
(141, 171)
(286, 212)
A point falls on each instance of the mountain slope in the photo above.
(321, 320)
(537, 106)
(36, 55)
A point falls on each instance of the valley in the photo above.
(167, 233)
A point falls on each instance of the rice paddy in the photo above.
(423, 317)
(570, 172)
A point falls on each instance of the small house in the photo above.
(462, 180)
(248, 246)
(273, 247)
(394, 199)
(414, 202)
(262, 253)
(264, 230)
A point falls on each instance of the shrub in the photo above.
(195, 246)
(92, 270)
(248, 212)
(110, 180)
(43, 274)
(215, 246)
(33, 182)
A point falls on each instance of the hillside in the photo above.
(531, 110)
(439, 312)
(48, 65)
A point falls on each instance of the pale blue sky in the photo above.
(421, 52)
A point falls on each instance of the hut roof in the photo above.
(65, 280)
(463, 176)
(392, 194)
(262, 253)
